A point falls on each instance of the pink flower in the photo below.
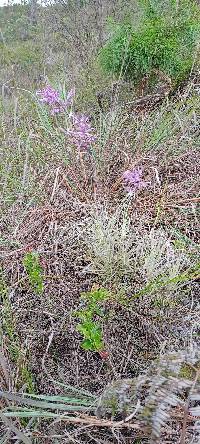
(81, 133)
(48, 95)
(51, 97)
(133, 180)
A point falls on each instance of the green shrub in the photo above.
(34, 272)
(165, 40)
(88, 325)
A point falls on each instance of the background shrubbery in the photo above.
(165, 40)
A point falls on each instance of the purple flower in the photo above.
(81, 133)
(133, 180)
(51, 97)
(55, 109)
(48, 95)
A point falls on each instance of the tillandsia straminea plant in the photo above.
(79, 132)
(75, 132)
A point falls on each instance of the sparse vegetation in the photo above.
(8, 328)
(34, 271)
(88, 326)
(163, 387)
(99, 228)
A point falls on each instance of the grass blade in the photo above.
(42, 404)
(63, 399)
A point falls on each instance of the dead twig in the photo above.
(94, 421)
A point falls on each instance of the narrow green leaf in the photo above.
(42, 404)
(63, 399)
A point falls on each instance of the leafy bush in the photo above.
(164, 41)
(88, 325)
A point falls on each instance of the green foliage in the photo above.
(89, 327)
(165, 42)
(91, 331)
(41, 406)
(34, 271)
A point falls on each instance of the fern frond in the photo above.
(170, 382)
